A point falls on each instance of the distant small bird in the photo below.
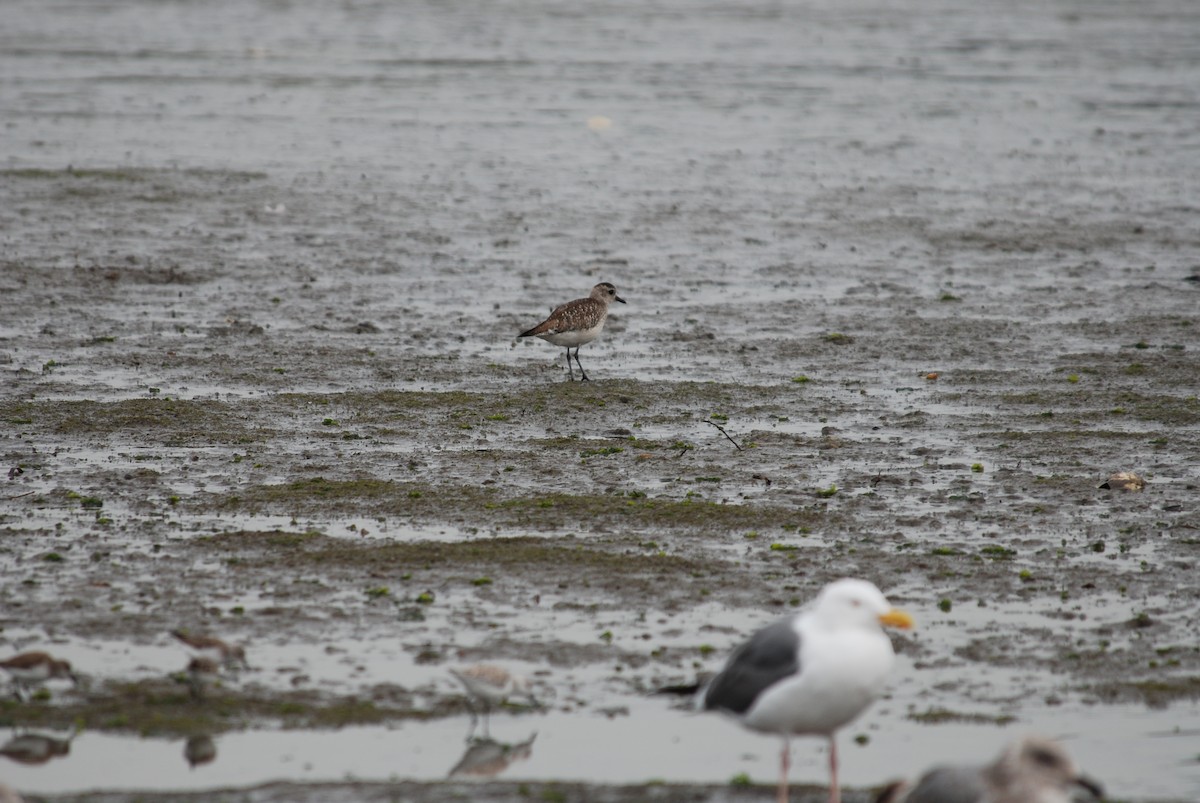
(812, 673)
(30, 669)
(1124, 481)
(1030, 770)
(202, 673)
(212, 648)
(577, 322)
(491, 685)
(200, 749)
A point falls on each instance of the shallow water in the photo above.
(1155, 758)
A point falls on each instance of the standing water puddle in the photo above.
(672, 746)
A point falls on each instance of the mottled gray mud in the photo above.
(905, 287)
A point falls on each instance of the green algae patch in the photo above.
(497, 554)
(124, 174)
(944, 716)
(565, 509)
(392, 405)
(1162, 409)
(321, 490)
(164, 707)
(158, 421)
(360, 495)
(98, 174)
(1156, 693)
(368, 495)
(1057, 436)
(681, 399)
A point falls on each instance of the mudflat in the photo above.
(905, 287)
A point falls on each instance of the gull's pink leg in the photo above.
(784, 765)
(835, 793)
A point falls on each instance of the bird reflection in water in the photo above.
(35, 749)
(487, 758)
(200, 749)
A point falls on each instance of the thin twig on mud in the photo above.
(726, 434)
(18, 496)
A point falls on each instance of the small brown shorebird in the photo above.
(212, 648)
(1030, 770)
(491, 685)
(30, 669)
(576, 323)
(202, 673)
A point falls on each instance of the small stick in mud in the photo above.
(726, 434)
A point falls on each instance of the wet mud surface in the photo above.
(903, 290)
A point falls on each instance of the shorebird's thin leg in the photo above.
(474, 718)
(570, 370)
(577, 362)
(487, 728)
(785, 758)
(835, 793)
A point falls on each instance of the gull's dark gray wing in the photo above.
(949, 785)
(767, 658)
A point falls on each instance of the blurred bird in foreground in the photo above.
(1030, 770)
(812, 673)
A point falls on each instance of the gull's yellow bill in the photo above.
(897, 618)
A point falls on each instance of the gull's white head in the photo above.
(857, 603)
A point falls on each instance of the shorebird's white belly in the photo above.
(576, 337)
(34, 674)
